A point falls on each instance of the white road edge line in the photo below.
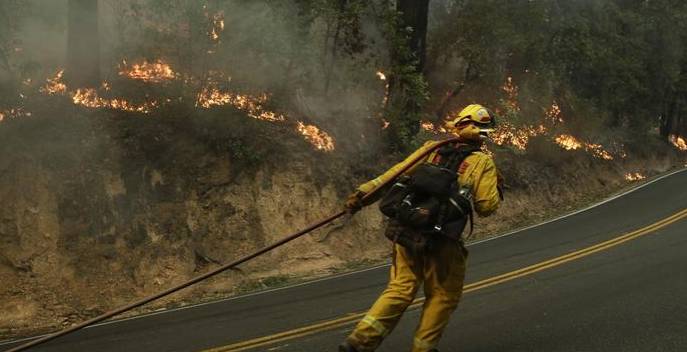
(367, 269)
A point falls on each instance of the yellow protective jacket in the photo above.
(478, 172)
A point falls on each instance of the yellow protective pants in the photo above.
(442, 270)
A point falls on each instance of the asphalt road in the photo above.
(629, 294)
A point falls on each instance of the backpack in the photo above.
(430, 201)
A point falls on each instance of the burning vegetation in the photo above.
(159, 71)
(634, 176)
(251, 105)
(569, 142)
(54, 85)
(553, 114)
(14, 113)
(320, 139)
(153, 72)
(89, 98)
(516, 136)
(217, 26)
(512, 94)
(678, 142)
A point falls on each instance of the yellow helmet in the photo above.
(480, 120)
(473, 113)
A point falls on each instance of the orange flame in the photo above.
(553, 114)
(217, 26)
(382, 77)
(512, 91)
(517, 137)
(427, 126)
(14, 113)
(54, 85)
(251, 105)
(598, 151)
(634, 176)
(569, 142)
(152, 72)
(678, 142)
(89, 98)
(320, 139)
(430, 127)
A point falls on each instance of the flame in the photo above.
(217, 25)
(430, 127)
(54, 85)
(553, 114)
(14, 113)
(516, 136)
(382, 77)
(320, 139)
(598, 151)
(512, 91)
(153, 72)
(385, 124)
(252, 105)
(678, 142)
(89, 98)
(427, 126)
(568, 142)
(634, 176)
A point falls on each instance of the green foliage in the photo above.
(627, 59)
(409, 90)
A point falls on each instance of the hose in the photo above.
(223, 268)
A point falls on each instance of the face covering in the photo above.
(472, 133)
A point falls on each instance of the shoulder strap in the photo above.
(458, 154)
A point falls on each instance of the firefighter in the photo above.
(441, 268)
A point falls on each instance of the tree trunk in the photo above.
(83, 44)
(408, 88)
(414, 15)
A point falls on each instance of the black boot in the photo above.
(347, 347)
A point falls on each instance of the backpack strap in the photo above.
(459, 154)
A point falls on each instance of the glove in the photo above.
(354, 202)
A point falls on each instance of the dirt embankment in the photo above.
(101, 213)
